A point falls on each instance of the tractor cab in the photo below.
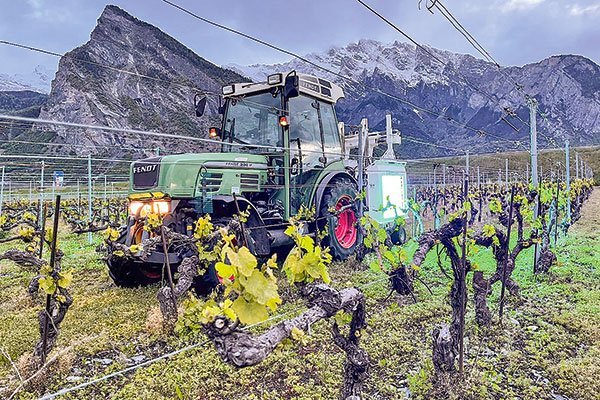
(290, 119)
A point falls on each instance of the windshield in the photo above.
(254, 120)
(313, 123)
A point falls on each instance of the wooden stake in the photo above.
(507, 246)
(54, 274)
(463, 284)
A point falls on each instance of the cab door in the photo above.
(314, 144)
(305, 147)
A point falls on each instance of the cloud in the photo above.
(577, 10)
(519, 5)
(47, 13)
(515, 32)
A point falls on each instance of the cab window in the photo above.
(331, 133)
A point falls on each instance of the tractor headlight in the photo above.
(135, 207)
(142, 209)
(275, 79)
(160, 207)
(145, 210)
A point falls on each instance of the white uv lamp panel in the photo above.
(386, 190)
(392, 193)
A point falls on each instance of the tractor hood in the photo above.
(187, 175)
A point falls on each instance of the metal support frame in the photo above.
(506, 174)
(363, 133)
(90, 196)
(41, 189)
(2, 190)
(534, 160)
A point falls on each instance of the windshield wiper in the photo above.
(231, 132)
(232, 137)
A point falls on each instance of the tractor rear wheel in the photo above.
(398, 235)
(339, 208)
(204, 284)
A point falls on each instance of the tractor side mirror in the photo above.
(199, 105)
(292, 86)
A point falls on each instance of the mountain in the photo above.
(23, 103)
(130, 74)
(464, 88)
(38, 80)
(150, 84)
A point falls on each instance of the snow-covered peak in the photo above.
(398, 60)
(38, 80)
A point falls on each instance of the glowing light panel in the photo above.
(392, 190)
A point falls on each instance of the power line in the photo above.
(110, 67)
(277, 48)
(465, 33)
(445, 64)
(85, 146)
(325, 69)
(108, 128)
(172, 136)
(159, 134)
(471, 39)
(41, 156)
(52, 53)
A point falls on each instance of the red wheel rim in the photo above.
(150, 274)
(345, 230)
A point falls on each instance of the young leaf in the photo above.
(249, 312)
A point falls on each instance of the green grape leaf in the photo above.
(374, 266)
(65, 279)
(249, 312)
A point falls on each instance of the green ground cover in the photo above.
(549, 343)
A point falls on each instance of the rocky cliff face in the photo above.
(24, 102)
(84, 91)
(566, 87)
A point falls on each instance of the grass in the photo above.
(548, 344)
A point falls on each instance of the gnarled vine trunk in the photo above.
(446, 338)
(481, 288)
(52, 321)
(242, 348)
(167, 298)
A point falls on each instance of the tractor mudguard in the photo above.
(259, 234)
(316, 200)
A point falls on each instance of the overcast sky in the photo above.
(516, 32)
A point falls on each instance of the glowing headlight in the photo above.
(141, 209)
(160, 207)
(134, 207)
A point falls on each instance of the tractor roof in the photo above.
(310, 85)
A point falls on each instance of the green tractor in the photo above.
(281, 149)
